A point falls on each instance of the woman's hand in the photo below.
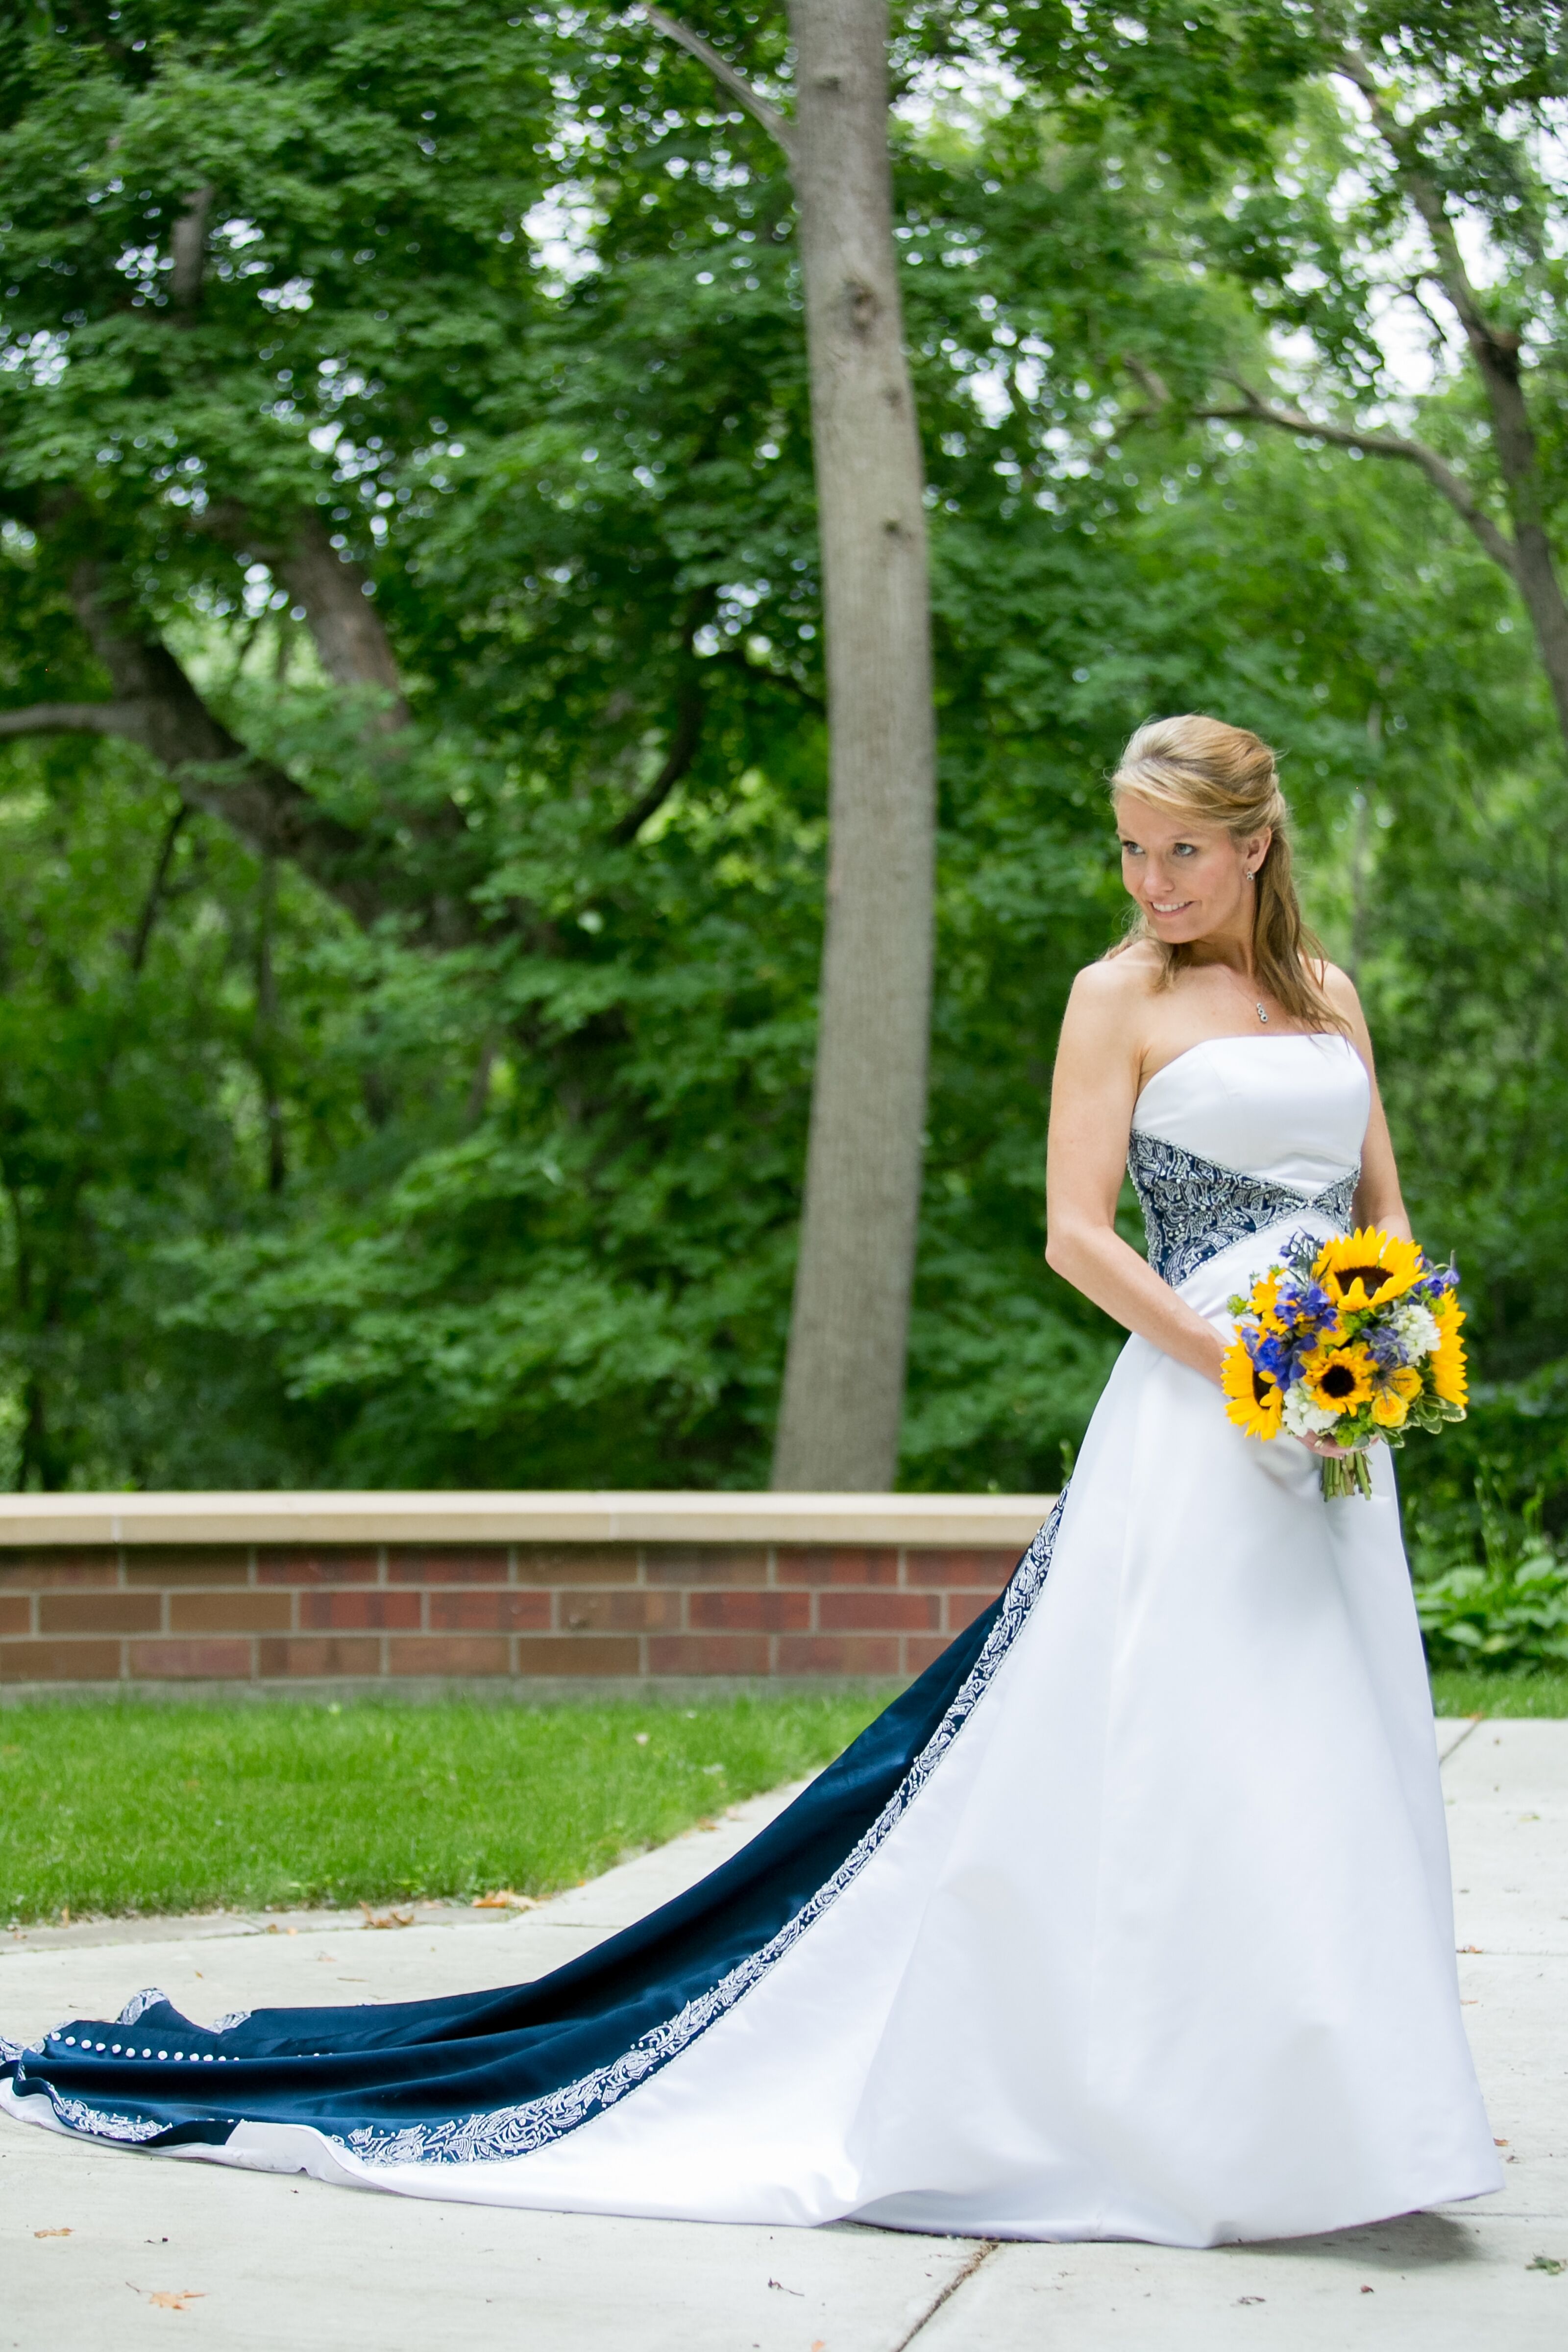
(1324, 1447)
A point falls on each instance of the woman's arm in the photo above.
(1378, 1200)
(1092, 1097)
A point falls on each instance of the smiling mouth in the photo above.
(1177, 907)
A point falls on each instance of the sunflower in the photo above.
(1253, 1401)
(1339, 1379)
(1367, 1268)
(1450, 1375)
(1265, 1298)
(1393, 1399)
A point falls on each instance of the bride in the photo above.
(1131, 1917)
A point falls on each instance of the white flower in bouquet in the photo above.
(1302, 1417)
(1417, 1331)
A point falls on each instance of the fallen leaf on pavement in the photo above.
(386, 1918)
(504, 1900)
(51, 2233)
(177, 2298)
(1548, 2263)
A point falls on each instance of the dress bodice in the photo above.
(1239, 1133)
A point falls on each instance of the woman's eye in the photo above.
(1185, 849)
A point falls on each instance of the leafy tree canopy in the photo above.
(410, 653)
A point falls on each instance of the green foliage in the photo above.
(171, 1808)
(1512, 1610)
(499, 1183)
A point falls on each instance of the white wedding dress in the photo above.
(1155, 1941)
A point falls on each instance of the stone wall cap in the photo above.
(944, 1521)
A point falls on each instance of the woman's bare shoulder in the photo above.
(1108, 1010)
(1119, 982)
(1339, 988)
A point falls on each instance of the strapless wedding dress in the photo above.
(1131, 1919)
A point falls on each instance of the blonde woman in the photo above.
(1131, 1917)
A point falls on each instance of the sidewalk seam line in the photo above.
(981, 2254)
(1474, 1725)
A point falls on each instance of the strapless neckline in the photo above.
(1240, 1037)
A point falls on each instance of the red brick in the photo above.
(357, 1612)
(277, 1655)
(187, 1564)
(99, 1612)
(59, 1662)
(16, 1613)
(707, 1653)
(877, 1613)
(577, 1564)
(705, 1564)
(838, 1653)
(837, 1564)
(42, 1571)
(456, 1564)
(209, 1661)
(987, 1571)
(963, 1608)
(230, 1613)
(749, 1612)
(618, 1613)
(314, 1564)
(488, 1612)
(586, 1654)
(921, 1652)
(453, 1654)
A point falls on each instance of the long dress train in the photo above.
(1131, 1918)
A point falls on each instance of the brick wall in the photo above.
(294, 1614)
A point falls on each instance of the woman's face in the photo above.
(1191, 879)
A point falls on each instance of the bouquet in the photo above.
(1356, 1340)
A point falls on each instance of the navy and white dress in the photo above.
(1129, 1919)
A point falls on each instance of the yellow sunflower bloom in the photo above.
(1450, 1375)
(1252, 1399)
(1264, 1301)
(1393, 1400)
(1339, 1379)
(1367, 1268)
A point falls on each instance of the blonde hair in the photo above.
(1224, 775)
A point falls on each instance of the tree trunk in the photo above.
(1495, 352)
(844, 1377)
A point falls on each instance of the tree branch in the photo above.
(349, 635)
(189, 247)
(209, 768)
(154, 899)
(778, 126)
(1495, 352)
(126, 719)
(683, 743)
(1252, 409)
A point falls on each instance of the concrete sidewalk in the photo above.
(106, 2246)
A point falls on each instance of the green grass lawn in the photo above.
(1464, 1690)
(138, 1808)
